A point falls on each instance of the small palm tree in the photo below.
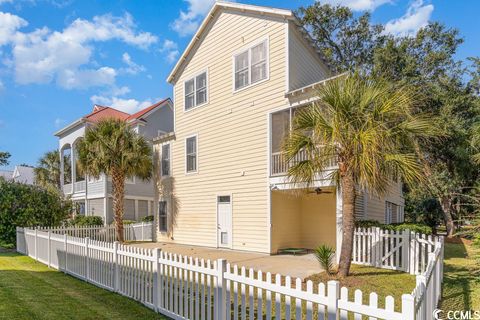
(113, 148)
(371, 128)
(47, 172)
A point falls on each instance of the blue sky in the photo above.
(58, 57)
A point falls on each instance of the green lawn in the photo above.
(461, 287)
(30, 290)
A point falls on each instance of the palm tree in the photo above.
(113, 148)
(47, 172)
(371, 128)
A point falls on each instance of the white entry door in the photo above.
(224, 218)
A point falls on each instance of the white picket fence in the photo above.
(185, 288)
(142, 231)
(389, 249)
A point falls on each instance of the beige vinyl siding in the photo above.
(376, 205)
(305, 66)
(232, 131)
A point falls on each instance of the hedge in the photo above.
(415, 227)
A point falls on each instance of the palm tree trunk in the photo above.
(348, 222)
(446, 205)
(118, 184)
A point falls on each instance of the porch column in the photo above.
(62, 169)
(74, 173)
(339, 221)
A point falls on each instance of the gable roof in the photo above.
(283, 13)
(6, 174)
(102, 112)
(24, 174)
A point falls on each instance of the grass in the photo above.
(461, 286)
(30, 290)
(368, 279)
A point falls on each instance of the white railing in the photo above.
(279, 164)
(79, 186)
(389, 249)
(185, 288)
(67, 188)
(142, 231)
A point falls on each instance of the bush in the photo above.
(129, 222)
(147, 219)
(415, 227)
(25, 205)
(86, 221)
(325, 255)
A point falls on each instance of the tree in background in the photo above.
(113, 148)
(372, 128)
(47, 172)
(4, 158)
(25, 205)
(425, 61)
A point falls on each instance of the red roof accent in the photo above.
(140, 113)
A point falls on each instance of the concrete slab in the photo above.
(300, 266)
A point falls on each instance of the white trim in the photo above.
(269, 192)
(286, 14)
(194, 78)
(185, 154)
(287, 56)
(167, 202)
(229, 194)
(169, 143)
(248, 48)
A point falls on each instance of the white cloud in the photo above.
(5, 1)
(415, 18)
(58, 122)
(9, 24)
(125, 105)
(187, 23)
(170, 48)
(358, 5)
(44, 56)
(132, 68)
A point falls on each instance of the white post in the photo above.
(143, 234)
(408, 307)
(49, 250)
(333, 294)
(378, 247)
(220, 288)
(339, 223)
(156, 278)
(116, 274)
(421, 283)
(65, 248)
(406, 250)
(87, 259)
(412, 255)
(36, 247)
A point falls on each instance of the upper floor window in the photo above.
(165, 160)
(191, 154)
(196, 91)
(251, 65)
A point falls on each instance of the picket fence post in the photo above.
(49, 249)
(87, 259)
(408, 307)
(65, 248)
(421, 282)
(220, 290)
(156, 280)
(378, 247)
(36, 248)
(116, 276)
(412, 252)
(333, 294)
(143, 233)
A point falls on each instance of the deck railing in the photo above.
(79, 186)
(279, 164)
(67, 188)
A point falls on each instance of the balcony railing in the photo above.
(67, 188)
(280, 165)
(79, 186)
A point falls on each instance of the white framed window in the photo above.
(195, 90)
(165, 160)
(391, 212)
(162, 216)
(191, 156)
(251, 65)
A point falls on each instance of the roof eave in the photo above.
(70, 126)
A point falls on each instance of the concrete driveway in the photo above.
(300, 266)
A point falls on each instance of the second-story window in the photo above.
(165, 160)
(251, 66)
(196, 91)
(191, 154)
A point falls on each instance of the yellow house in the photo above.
(221, 178)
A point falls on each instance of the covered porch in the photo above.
(305, 218)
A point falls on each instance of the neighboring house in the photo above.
(94, 196)
(22, 174)
(223, 179)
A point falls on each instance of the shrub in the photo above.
(86, 221)
(129, 222)
(415, 227)
(147, 219)
(325, 255)
(25, 205)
